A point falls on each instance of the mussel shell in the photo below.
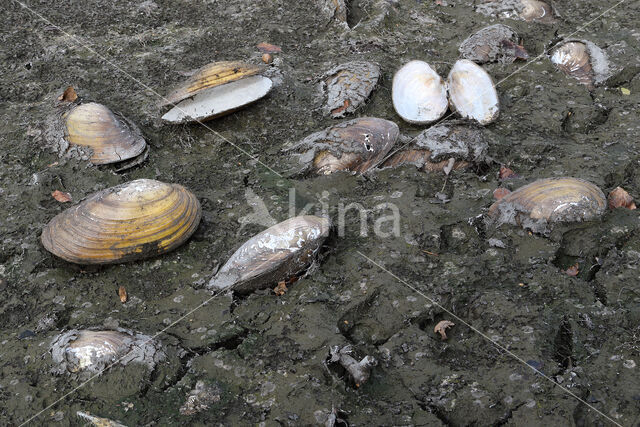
(92, 351)
(135, 220)
(419, 94)
(355, 145)
(536, 10)
(211, 75)
(527, 10)
(583, 61)
(276, 254)
(472, 93)
(348, 86)
(494, 43)
(433, 147)
(550, 200)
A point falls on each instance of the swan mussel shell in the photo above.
(93, 351)
(348, 86)
(472, 93)
(527, 10)
(215, 90)
(355, 145)
(538, 205)
(278, 253)
(494, 43)
(419, 94)
(433, 148)
(135, 220)
(583, 61)
(93, 132)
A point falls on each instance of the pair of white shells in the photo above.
(420, 95)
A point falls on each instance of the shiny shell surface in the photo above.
(355, 145)
(135, 220)
(419, 94)
(460, 144)
(348, 86)
(111, 138)
(494, 43)
(583, 61)
(472, 93)
(276, 254)
(550, 200)
(527, 10)
(92, 351)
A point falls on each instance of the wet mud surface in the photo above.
(263, 358)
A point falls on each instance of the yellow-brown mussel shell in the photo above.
(111, 138)
(135, 220)
(535, 206)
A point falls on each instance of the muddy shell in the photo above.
(419, 94)
(215, 90)
(348, 86)
(494, 43)
(527, 10)
(472, 93)
(98, 421)
(279, 253)
(583, 61)
(93, 351)
(355, 145)
(538, 205)
(619, 198)
(135, 220)
(433, 149)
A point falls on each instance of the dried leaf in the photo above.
(61, 197)
(281, 289)
(442, 327)
(506, 173)
(269, 48)
(625, 91)
(69, 95)
(122, 293)
(573, 270)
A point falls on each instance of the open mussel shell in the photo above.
(450, 145)
(541, 203)
(348, 86)
(279, 253)
(527, 10)
(355, 145)
(472, 93)
(215, 90)
(494, 43)
(135, 220)
(92, 351)
(583, 61)
(419, 95)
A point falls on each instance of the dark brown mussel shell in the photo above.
(494, 43)
(355, 145)
(277, 254)
(348, 86)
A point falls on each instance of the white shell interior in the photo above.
(472, 92)
(219, 100)
(419, 94)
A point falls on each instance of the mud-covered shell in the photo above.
(433, 149)
(92, 351)
(494, 43)
(583, 61)
(355, 145)
(276, 254)
(348, 86)
(135, 220)
(472, 93)
(541, 203)
(527, 10)
(418, 93)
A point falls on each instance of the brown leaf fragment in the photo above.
(268, 48)
(573, 270)
(442, 327)
(69, 95)
(122, 293)
(619, 198)
(61, 196)
(506, 173)
(281, 289)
